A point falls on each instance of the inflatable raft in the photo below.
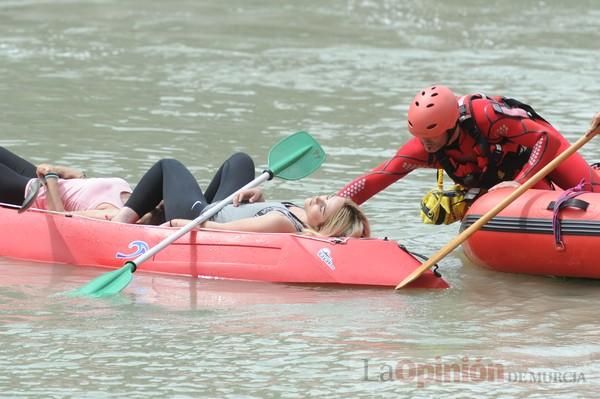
(43, 236)
(529, 237)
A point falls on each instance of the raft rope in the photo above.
(564, 200)
(422, 257)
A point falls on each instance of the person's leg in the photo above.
(167, 180)
(234, 173)
(183, 198)
(12, 185)
(16, 163)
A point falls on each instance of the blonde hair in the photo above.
(349, 221)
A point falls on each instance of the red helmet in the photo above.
(432, 112)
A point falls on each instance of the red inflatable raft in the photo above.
(522, 238)
(57, 238)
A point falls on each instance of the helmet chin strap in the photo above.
(448, 136)
(450, 133)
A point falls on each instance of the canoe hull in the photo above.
(55, 238)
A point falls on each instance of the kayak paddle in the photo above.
(459, 239)
(292, 158)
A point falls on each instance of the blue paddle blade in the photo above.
(107, 284)
(296, 156)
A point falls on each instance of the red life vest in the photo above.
(495, 161)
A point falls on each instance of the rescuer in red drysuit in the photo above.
(480, 142)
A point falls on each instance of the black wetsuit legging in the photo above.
(171, 181)
(15, 173)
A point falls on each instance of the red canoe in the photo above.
(521, 238)
(287, 258)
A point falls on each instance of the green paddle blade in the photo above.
(108, 284)
(296, 156)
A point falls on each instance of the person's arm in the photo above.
(272, 222)
(53, 193)
(543, 140)
(250, 195)
(409, 157)
(109, 213)
(64, 172)
(103, 214)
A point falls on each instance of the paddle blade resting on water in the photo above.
(292, 158)
(108, 284)
(296, 156)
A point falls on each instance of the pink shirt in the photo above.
(85, 194)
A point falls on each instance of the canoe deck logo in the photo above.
(140, 248)
(325, 255)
